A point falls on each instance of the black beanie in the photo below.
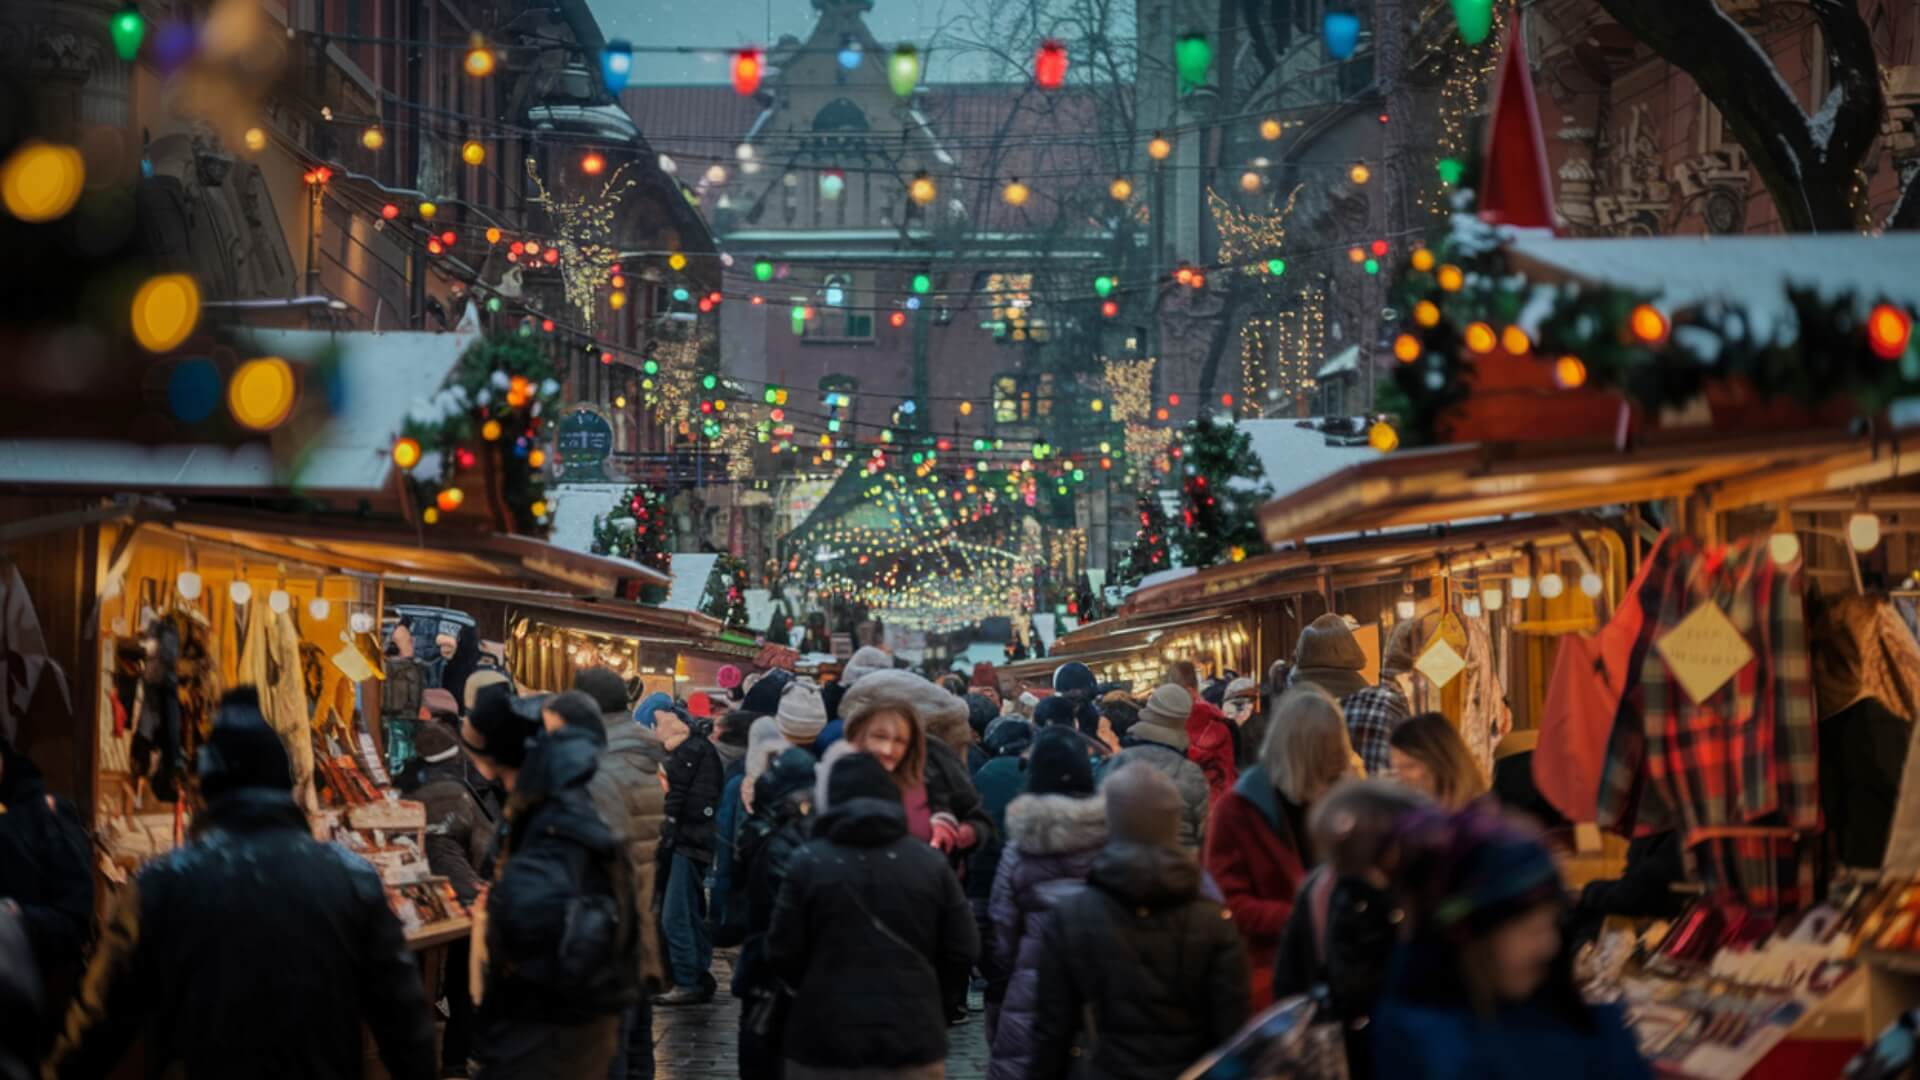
(980, 713)
(1059, 765)
(1008, 735)
(763, 697)
(1053, 709)
(859, 776)
(607, 689)
(790, 771)
(578, 711)
(243, 751)
(502, 729)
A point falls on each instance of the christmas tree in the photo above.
(1149, 551)
(1224, 485)
(636, 529)
(727, 592)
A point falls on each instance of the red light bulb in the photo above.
(746, 71)
(1050, 64)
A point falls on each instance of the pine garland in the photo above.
(1149, 551)
(1217, 516)
(503, 386)
(726, 597)
(637, 528)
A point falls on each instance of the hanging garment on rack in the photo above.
(158, 753)
(270, 660)
(1864, 649)
(198, 676)
(1484, 719)
(1582, 700)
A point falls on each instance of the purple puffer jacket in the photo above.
(1051, 843)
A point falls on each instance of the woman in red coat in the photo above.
(1257, 848)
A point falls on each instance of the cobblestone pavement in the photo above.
(696, 1042)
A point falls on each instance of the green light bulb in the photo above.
(1103, 286)
(128, 30)
(903, 70)
(922, 284)
(1192, 56)
(763, 270)
(1372, 266)
(1276, 267)
(709, 382)
(651, 367)
(1450, 170)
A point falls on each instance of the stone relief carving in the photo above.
(1633, 191)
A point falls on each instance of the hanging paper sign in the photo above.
(353, 664)
(1445, 653)
(1704, 650)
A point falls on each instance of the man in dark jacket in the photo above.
(626, 791)
(872, 932)
(46, 876)
(695, 782)
(782, 810)
(1156, 970)
(562, 946)
(459, 833)
(253, 950)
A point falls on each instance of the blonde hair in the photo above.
(1432, 740)
(1307, 751)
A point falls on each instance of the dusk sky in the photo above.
(729, 24)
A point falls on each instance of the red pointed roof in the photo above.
(1515, 188)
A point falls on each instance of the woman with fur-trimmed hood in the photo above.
(1054, 831)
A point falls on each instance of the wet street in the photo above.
(697, 1042)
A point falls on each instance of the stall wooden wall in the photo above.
(58, 571)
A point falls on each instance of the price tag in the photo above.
(1704, 650)
(1440, 662)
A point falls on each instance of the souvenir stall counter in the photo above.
(1751, 692)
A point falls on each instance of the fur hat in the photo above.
(867, 660)
(935, 710)
(801, 714)
(1059, 765)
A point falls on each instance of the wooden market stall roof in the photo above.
(1722, 471)
(389, 547)
(650, 625)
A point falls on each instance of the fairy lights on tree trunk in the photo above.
(584, 225)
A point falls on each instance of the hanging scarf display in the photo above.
(270, 660)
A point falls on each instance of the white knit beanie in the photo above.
(865, 661)
(765, 741)
(802, 715)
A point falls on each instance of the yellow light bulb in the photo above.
(165, 311)
(536, 458)
(1269, 129)
(1569, 372)
(372, 138)
(1450, 278)
(1015, 194)
(1515, 341)
(473, 152)
(1426, 313)
(1359, 174)
(490, 431)
(1406, 348)
(1382, 437)
(677, 261)
(1422, 260)
(1249, 181)
(479, 62)
(41, 181)
(1480, 338)
(1863, 531)
(922, 190)
(966, 408)
(427, 210)
(1121, 189)
(406, 452)
(539, 508)
(255, 139)
(1158, 148)
(261, 394)
(617, 300)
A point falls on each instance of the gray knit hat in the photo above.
(867, 660)
(765, 740)
(1168, 707)
(802, 715)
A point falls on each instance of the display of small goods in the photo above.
(391, 834)
(1712, 992)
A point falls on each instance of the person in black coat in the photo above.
(459, 834)
(695, 781)
(562, 945)
(872, 933)
(253, 950)
(46, 875)
(1157, 971)
(782, 814)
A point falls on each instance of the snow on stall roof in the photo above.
(574, 508)
(690, 573)
(382, 376)
(1347, 359)
(1161, 577)
(1296, 456)
(1750, 272)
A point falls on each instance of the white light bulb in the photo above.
(1863, 531)
(1404, 608)
(1552, 585)
(279, 601)
(361, 622)
(189, 585)
(240, 592)
(1493, 598)
(1522, 588)
(319, 607)
(1470, 606)
(1590, 583)
(716, 173)
(1784, 547)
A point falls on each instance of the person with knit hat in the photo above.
(866, 660)
(1155, 966)
(981, 713)
(1484, 985)
(205, 944)
(1258, 849)
(999, 782)
(872, 933)
(1158, 738)
(1212, 740)
(1069, 713)
(1241, 707)
(782, 779)
(986, 682)
(1374, 713)
(695, 782)
(625, 789)
(1053, 833)
(800, 713)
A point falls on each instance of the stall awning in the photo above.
(390, 548)
(1479, 480)
(625, 618)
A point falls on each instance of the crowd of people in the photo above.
(1124, 876)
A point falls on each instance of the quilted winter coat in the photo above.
(1051, 843)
